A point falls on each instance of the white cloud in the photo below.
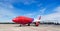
(25, 2)
(57, 9)
(39, 5)
(42, 11)
(30, 15)
(6, 13)
(54, 17)
(6, 5)
(28, 2)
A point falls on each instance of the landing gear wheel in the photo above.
(20, 25)
(29, 24)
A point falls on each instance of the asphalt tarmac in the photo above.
(16, 27)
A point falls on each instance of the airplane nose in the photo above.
(14, 20)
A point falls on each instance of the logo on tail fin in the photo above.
(39, 18)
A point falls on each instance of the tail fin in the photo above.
(39, 18)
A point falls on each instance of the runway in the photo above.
(15, 27)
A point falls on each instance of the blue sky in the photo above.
(48, 9)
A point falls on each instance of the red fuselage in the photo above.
(22, 20)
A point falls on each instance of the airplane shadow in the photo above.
(32, 25)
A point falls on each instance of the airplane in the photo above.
(26, 20)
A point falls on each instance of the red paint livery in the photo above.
(22, 20)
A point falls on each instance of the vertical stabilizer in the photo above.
(39, 18)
